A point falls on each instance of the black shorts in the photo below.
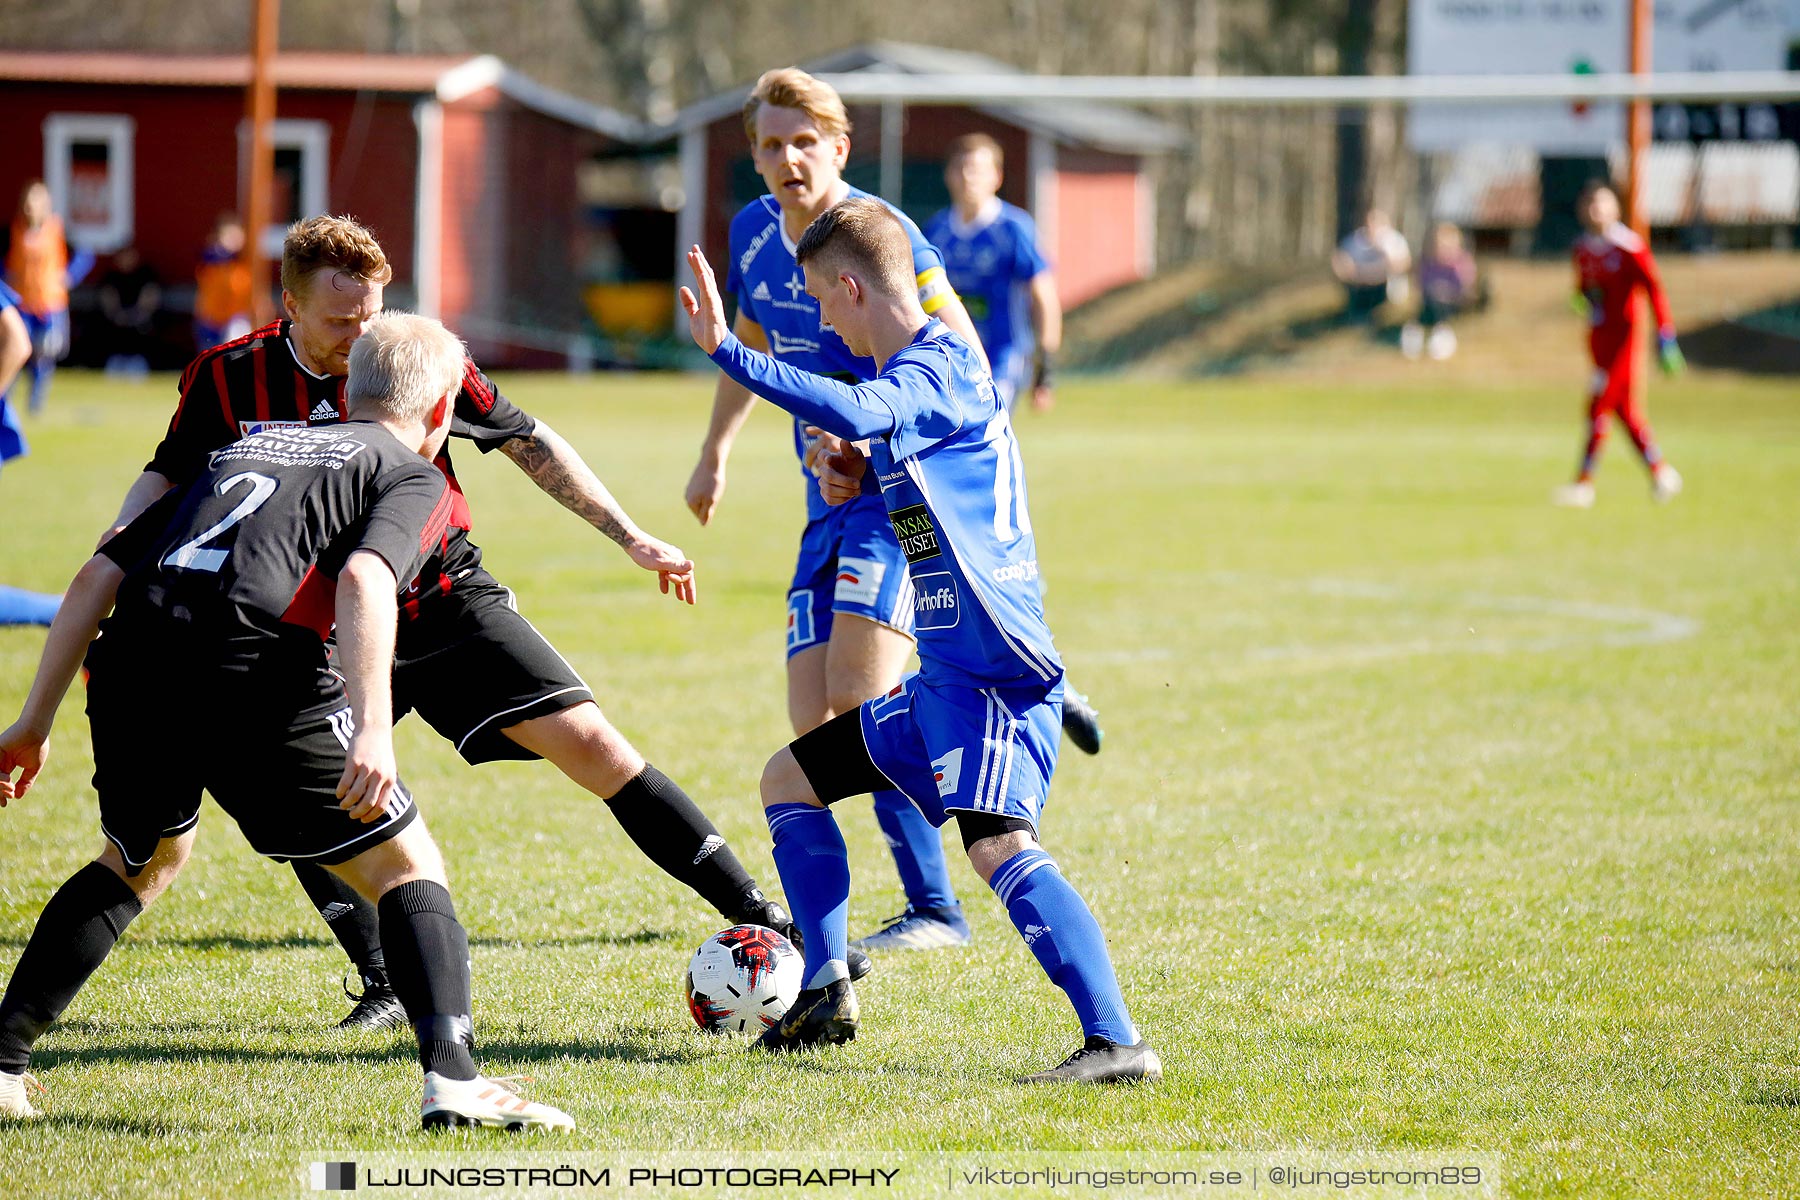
(161, 738)
(471, 666)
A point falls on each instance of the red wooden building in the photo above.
(465, 168)
(1080, 169)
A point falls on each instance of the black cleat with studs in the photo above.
(824, 1016)
(1103, 1061)
(378, 1007)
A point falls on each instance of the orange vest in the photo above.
(38, 265)
(222, 292)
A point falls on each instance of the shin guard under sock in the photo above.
(1061, 932)
(428, 964)
(351, 919)
(675, 835)
(815, 875)
(74, 934)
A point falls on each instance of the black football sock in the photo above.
(675, 835)
(74, 934)
(351, 919)
(428, 963)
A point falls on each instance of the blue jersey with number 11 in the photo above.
(771, 291)
(943, 449)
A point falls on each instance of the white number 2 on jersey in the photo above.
(189, 556)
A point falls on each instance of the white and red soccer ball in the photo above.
(742, 979)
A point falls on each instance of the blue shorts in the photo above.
(962, 749)
(849, 563)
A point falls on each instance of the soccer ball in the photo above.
(742, 979)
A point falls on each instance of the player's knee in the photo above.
(152, 879)
(991, 839)
(783, 782)
(579, 740)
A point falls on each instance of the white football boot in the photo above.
(1665, 483)
(1574, 495)
(15, 1096)
(493, 1103)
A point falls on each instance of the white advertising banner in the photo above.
(1573, 37)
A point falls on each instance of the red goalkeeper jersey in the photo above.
(1609, 267)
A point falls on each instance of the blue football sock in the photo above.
(1055, 922)
(918, 851)
(815, 874)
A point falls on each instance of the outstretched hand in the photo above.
(25, 751)
(674, 570)
(706, 312)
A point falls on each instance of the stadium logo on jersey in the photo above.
(917, 535)
(782, 344)
(858, 580)
(324, 410)
(935, 601)
(761, 290)
(247, 428)
(946, 772)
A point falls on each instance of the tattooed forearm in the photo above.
(559, 471)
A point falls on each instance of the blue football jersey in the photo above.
(943, 450)
(8, 297)
(771, 291)
(990, 261)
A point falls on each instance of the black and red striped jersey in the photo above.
(237, 569)
(257, 383)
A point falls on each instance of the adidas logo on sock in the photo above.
(712, 845)
(334, 910)
(1034, 932)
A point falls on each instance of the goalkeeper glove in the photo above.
(1668, 353)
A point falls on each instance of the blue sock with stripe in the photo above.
(918, 851)
(815, 874)
(1058, 928)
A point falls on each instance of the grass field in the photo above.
(1431, 817)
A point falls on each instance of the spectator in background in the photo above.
(40, 271)
(991, 253)
(130, 294)
(1447, 286)
(222, 293)
(1371, 264)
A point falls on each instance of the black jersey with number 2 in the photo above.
(244, 560)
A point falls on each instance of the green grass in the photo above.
(1431, 817)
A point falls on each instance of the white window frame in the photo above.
(118, 131)
(313, 140)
